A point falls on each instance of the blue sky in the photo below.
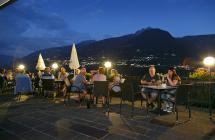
(29, 25)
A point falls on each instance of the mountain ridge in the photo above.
(144, 42)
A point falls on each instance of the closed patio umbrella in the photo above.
(40, 63)
(74, 63)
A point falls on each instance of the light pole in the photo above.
(209, 61)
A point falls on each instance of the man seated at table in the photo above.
(150, 78)
(79, 84)
(47, 74)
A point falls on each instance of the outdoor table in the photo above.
(160, 90)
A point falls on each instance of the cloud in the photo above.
(27, 27)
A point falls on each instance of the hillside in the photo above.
(145, 42)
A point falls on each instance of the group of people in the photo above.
(6, 76)
(80, 82)
(152, 78)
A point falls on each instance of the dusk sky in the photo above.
(29, 25)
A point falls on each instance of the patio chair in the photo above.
(135, 81)
(75, 90)
(128, 94)
(182, 97)
(115, 91)
(10, 84)
(48, 85)
(101, 89)
(203, 94)
(36, 84)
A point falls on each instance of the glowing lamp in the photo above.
(209, 61)
(108, 64)
(55, 66)
(21, 67)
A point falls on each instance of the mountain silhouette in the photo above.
(145, 42)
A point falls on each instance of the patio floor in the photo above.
(38, 118)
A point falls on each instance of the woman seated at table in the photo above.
(63, 76)
(115, 81)
(100, 76)
(172, 80)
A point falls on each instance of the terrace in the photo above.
(36, 117)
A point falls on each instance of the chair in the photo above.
(115, 91)
(128, 94)
(135, 80)
(101, 89)
(36, 84)
(203, 94)
(182, 97)
(75, 90)
(48, 85)
(10, 84)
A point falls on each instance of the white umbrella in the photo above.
(74, 63)
(40, 63)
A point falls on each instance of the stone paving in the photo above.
(38, 118)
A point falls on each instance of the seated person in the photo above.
(3, 79)
(150, 78)
(76, 72)
(80, 82)
(47, 74)
(115, 81)
(172, 80)
(63, 76)
(23, 83)
(70, 79)
(9, 75)
(100, 76)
